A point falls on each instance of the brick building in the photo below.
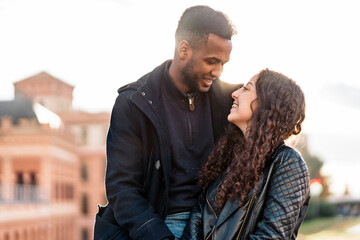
(52, 163)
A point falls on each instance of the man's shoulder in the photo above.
(150, 79)
(134, 86)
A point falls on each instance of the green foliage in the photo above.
(320, 208)
(315, 225)
(328, 228)
(313, 162)
(327, 209)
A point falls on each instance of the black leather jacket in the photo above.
(275, 213)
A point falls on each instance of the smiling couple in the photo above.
(192, 157)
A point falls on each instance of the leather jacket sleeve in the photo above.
(286, 200)
(194, 227)
(124, 176)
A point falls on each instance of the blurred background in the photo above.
(61, 63)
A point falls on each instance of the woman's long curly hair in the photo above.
(279, 113)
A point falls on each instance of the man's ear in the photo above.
(184, 50)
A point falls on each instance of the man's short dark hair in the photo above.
(198, 22)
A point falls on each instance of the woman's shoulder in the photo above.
(289, 156)
(291, 170)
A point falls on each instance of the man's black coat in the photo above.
(139, 159)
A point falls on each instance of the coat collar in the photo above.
(148, 88)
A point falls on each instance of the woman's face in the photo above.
(243, 105)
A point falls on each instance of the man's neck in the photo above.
(176, 76)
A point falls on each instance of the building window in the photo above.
(84, 172)
(16, 237)
(0, 189)
(67, 194)
(106, 130)
(19, 187)
(105, 201)
(84, 135)
(105, 166)
(84, 234)
(84, 204)
(25, 235)
(69, 191)
(19, 178)
(63, 190)
(33, 180)
(33, 188)
(57, 191)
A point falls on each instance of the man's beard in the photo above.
(189, 78)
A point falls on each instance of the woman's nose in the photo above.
(235, 94)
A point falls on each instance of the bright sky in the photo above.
(100, 45)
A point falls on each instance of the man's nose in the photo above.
(216, 72)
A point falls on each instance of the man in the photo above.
(162, 128)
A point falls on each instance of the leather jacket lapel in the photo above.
(232, 206)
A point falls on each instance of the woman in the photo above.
(254, 186)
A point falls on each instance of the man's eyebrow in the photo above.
(214, 58)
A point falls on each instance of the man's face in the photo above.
(206, 64)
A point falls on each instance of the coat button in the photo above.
(143, 93)
(150, 102)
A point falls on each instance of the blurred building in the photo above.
(52, 163)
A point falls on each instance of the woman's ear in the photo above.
(253, 105)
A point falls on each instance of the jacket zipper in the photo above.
(212, 209)
(191, 99)
(212, 231)
(191, 102)
(246, 215)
